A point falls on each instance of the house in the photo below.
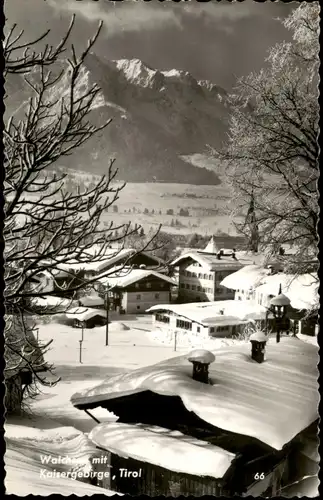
(100, 264)
(200, 272)
(260, 285)
(21, 350)
(242, 432)
(64, 276)
(135, 290)
(225, 318)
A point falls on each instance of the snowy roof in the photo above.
(169, 449)
(110, 258)
(259, 259)
(91, 300)
(51, 301)
(221, 312)
(209, 260)
(125, 278)
(248, 277)
(301, 290)
(271, 401)
(85, 313)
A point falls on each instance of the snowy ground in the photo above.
(128, 349)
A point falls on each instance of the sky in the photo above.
(218, 41)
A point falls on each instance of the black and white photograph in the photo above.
(160, 296)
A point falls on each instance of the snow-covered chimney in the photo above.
(258, 346)
(201, 360)
(219, 255)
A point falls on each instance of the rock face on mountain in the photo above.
(158, 118)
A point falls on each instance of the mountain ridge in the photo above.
(158, 117)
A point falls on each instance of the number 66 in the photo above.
(260, 475)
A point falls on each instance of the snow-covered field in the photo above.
(128, 349)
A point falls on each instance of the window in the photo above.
(204, 290)
(212, 329)
(138, 297)
(189, 274)
(137, 285)
(198, 329)
(187, 285)
(182, 285)
(162, 284)
(222, 329)
(138, 307)
(148, 285)
(193, 287)
(198, 288)
(156, 295)
(162, 318)
(186, 325)
(205, 276)
(211, 277)
(200, 275)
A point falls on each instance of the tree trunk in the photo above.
(13, 397)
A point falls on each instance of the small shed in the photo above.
(86, 317)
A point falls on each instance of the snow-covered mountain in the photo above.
(160, 118)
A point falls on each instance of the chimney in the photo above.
(258, 346)
(201, 359)
(219, 255)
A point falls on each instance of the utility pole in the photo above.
(107, 303)
(175, 340)
(80, 358)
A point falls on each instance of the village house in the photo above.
(201, 272)
(225, 318)
(128, 257)
(245, 429)
(75, 273)
(135, 290)
(259, 285)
